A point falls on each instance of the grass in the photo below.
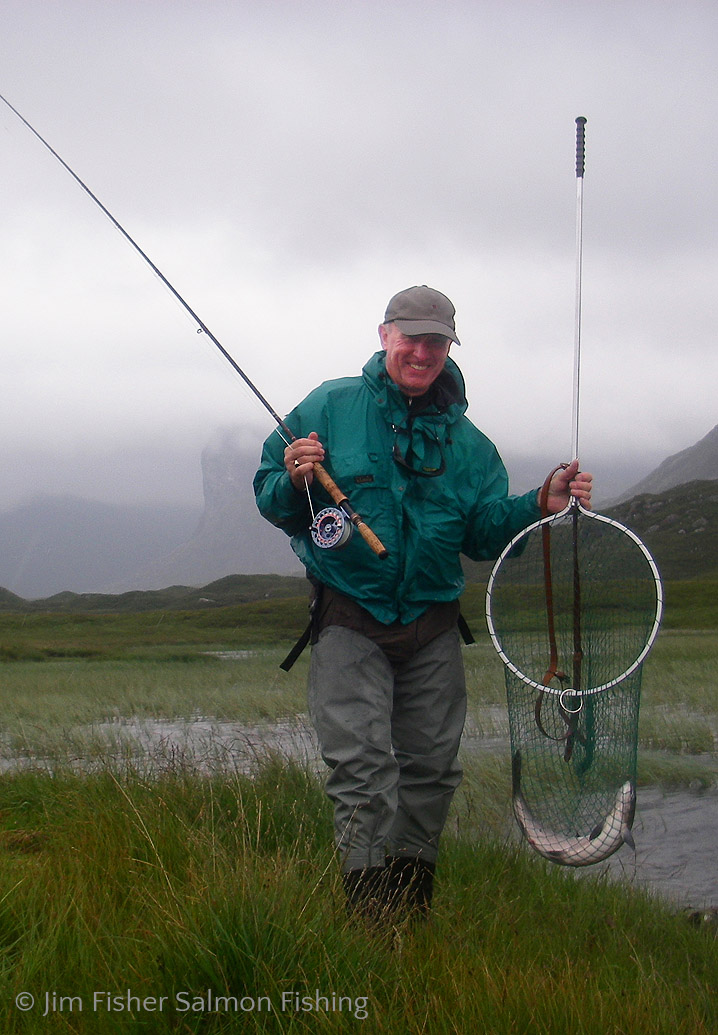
(167, 634)
(70, 692)
(164, 635)
(189, 889)
(49, 703)
(146, 877)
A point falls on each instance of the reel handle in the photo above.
(328, 483)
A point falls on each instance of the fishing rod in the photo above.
(323, 477)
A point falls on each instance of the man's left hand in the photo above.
(569, 482)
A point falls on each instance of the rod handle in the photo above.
(328, 483)
(580, 146)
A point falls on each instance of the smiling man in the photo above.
(416, 349)
(387, 692)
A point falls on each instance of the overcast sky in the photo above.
(290, 165)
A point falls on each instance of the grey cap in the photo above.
(422, 310)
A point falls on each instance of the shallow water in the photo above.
(676, 832)
(676, 835)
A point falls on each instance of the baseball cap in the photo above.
(422, 310)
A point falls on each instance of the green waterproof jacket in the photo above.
(428, 483)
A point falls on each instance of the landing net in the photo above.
(573, 606)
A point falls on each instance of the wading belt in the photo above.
(399, 642)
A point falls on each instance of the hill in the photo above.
(679, 527)
(233, 589)
(56, 545)
(53, 544)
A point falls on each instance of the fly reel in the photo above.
(331, 529)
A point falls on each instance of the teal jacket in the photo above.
(425, 520)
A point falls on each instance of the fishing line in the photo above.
(343, 512)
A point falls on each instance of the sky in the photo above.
(290, 165)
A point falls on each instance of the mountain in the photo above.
(231, 535)
(55, 543)
(698, 462)
(679, 526)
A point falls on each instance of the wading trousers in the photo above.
(390, 734)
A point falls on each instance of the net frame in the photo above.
(573, 509)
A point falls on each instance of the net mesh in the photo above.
(569, 779)
(573, 606)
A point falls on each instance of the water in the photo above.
(206, 744)
(676, 832)
(676, 835)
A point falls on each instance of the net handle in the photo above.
(580, 165)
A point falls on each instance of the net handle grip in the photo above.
(580, 146)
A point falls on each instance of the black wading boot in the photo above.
(365, 892)
(409, 886)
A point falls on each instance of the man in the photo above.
(386, 688)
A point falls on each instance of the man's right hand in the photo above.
(300, 458)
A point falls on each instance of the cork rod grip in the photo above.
(328, 483)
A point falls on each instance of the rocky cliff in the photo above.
(231, 536)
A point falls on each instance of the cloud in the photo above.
(289, 167)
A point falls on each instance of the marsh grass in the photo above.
(679, 699)
(50, 698)
(164, 635)
(169, 884)
(52, 706)
(142, 872)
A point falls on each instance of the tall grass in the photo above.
(220, 895)
(52, 706)
(145, 876)
(67, 693)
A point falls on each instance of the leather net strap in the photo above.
(552, 672)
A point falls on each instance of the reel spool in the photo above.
(331, 529)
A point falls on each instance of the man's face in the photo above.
(413, 362)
